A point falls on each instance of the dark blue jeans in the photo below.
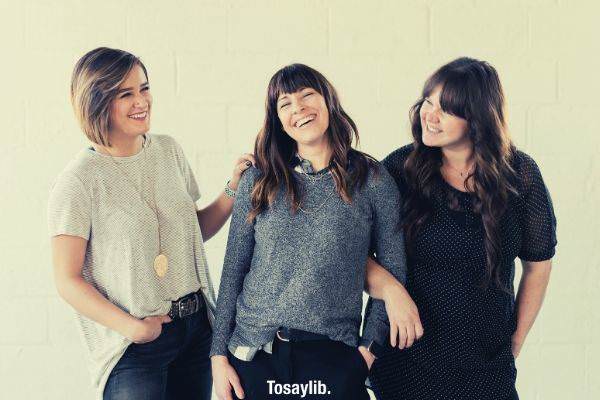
(173, 366)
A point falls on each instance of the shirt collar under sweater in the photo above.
(304, 166)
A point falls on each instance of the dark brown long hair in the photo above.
(274, 149)
(470, 89)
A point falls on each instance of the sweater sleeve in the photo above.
(387, 242)
(238, 257)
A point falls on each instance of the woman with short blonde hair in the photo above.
(127, 240)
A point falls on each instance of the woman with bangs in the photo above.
(304, 222)
(472, 204)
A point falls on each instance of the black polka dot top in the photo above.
(465, 352)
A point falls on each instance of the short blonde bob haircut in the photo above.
(94, 84)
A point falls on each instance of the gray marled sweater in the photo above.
(307, 270)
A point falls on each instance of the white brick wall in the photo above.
(209, 63)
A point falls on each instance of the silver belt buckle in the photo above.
(184, 308)
(188, 306)
(181, 309)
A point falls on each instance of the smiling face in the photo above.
(130, 110)
(304, 116)
(440, 129)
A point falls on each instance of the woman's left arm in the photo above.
(530, 297)
(402, 312)
(212, 217)
(538, 245)
(387, 243)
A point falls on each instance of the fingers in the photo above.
(225, 395)
(367, 356)
(246, 160)
(166, 319)
(237, 386)
(419, 328)
(249, 157)
(393, 334)
(243, 166)
(223, 388)
(403, 336)
(410, 335)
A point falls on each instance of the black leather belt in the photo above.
(187, 305)
(297, 335)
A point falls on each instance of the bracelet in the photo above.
(229, 192)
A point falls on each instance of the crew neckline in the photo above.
(448, 185)
(145, 145)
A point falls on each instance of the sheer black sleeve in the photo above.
(394, 163)
(537, 214)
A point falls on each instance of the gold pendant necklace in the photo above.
(161, 262)
(161, 265)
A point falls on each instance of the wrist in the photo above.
(233, 183)
(391, 290)
(219, 359)
(133, 329)
(230, 189)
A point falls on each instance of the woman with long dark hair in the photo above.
(304, 222)
(472, 204)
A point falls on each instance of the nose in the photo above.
(297, 106)
(432, 115)
(140, 101)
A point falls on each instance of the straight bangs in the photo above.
(454, 94)
(274, 148)
(291, 79)
(469, 89)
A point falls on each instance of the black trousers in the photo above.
(304, 370)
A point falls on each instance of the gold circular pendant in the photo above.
(161, 265)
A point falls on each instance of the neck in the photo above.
(121, 146)
(459, 157)
(318, 155)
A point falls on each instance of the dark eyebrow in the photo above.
(285, 96)
(130, 88)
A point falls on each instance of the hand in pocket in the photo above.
(149, 328)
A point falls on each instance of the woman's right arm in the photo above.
(68, 254)
(70, 223)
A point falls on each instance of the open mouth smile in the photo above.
(304, 121)
(139, 116)
(431, 129)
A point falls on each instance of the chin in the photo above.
(431, 141)
(140, 131)
(309, 138)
